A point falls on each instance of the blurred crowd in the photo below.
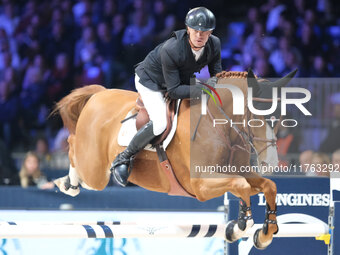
(48, 48)
(279, 36)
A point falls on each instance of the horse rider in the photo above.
(168, 69)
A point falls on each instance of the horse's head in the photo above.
(265, 135)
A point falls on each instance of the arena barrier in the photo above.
(312, 203)
(288, 227)
(136, 230)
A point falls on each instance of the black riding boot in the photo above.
(120, 166)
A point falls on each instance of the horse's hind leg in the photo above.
(263, 237)
(209, 188)
(70, 184)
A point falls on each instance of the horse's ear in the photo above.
(285, 80)
(252, 82)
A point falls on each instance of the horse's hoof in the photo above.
(60, 183)
(229, 231)
(257, 244)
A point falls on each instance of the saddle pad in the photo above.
(128, 131)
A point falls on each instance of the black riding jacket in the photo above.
(171, 64)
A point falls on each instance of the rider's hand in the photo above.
(212, 81)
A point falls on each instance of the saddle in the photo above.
(143, 117)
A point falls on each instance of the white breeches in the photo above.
(155, 105)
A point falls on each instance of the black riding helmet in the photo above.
(201, 19)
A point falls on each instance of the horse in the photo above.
(92, 114)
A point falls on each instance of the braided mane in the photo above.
(232, 74)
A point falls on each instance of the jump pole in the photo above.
(149, 231)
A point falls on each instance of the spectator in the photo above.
(291, 62)
(287, 142)
(8, 57)
(137, 37)
(85, 49)
(105, 51)
(30, 174)
(9, 21)
(8, 172)
(279, 58)
(30, 10)
(31, 96)
(253, 17)
(298, 10)
(60, 82)
(305, 160)
(9, 107)
(85, 55)
(319, 67)
(43, 152)
(60, 152)
(29, 45)
(140, 30)
(119, 69)
(106, 11)
(39, 65)
(256, 41)
(335, 174)
(336, 157)
(332, 141)
(66, 6)
(57, 43)
(310, 20)
(274, 9)
(308, 44)
(80, 9)
(164, 21)
(118, 29)
(263, 68)
(319, 165)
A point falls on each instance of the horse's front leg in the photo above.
(209, 188)
(237, 228)
(264, 236)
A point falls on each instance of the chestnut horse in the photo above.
(92, 114)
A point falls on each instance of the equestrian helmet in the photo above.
(201, 19)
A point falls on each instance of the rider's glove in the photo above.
(212, 81)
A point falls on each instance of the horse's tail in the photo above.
(71, 105)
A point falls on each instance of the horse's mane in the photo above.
(232, 74)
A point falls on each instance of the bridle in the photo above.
(272, 142)
(247, 138)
